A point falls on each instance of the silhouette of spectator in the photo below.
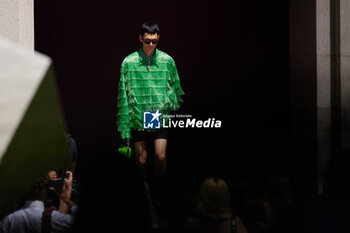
(277, 201)
(213, 209)
(253, 215)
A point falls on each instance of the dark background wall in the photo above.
(233, 62)
(303, 94)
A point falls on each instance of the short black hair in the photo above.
(150, 28)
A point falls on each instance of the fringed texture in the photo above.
(143, 90)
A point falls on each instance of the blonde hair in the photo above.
(214, 200)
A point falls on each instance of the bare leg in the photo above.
(152, 212)
(141, 156)
(160, 159)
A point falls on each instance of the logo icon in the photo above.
(151, 120)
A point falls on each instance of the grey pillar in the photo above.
(17, 21)
(333, 81)
(345, 72)
(323, 51)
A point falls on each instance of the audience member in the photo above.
(29, 218)
(253, 215)
(213, 209)
(277, 201)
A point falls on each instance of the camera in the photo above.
(62, 173)
(56, 184)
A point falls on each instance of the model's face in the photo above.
(149, 41)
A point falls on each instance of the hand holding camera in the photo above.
(67, 188)
(56, 182)
(63, 187)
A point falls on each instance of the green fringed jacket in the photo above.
(146, 85)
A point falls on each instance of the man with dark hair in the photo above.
(149, 83)
(33, 217)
